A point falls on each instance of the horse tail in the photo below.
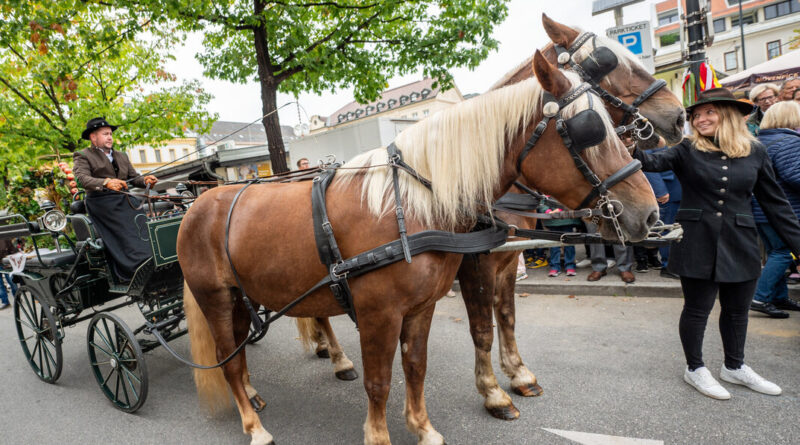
(212, 388)
(309, 334)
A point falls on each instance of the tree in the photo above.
(294, 46)
(64, 62)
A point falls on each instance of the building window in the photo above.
(158, 155)
(719, 25)
(668, 39)
(185, 152)
(414, 115)
(781, 9)
(731, 62)
(425, 112)
(171, 154)
(142, 156)
(666, 19)
(773, 49)
(746, 19)
(736, 2)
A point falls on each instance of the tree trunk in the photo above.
(269, 97)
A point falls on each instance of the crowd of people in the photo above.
(734, 186)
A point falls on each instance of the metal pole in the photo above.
(741, 34)
(697, 53)
(618, 16)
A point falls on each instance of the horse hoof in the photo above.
(528, 390)
(347, 374)
(504, 412)
(323, 353)
(258, 403)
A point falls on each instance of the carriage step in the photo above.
(119, 288)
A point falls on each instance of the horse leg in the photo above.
(523, 382)
(342, 365)
(228, 335)
(241, 331)
(477, 287)
(379, 335)
(323, 346)
(311, 332)
(414, 347)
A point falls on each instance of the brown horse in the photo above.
(470, 154)
(487, 282)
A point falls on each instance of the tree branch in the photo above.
(334, 4)
(32, 106)
(50, 93)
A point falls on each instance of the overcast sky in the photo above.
(519, 36)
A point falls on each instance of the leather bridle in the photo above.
(598, 65)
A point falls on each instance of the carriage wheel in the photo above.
(117, 361)
(38, 335)
(263, 314)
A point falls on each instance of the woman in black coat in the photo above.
(720, 166)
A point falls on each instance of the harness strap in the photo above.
(584, 238)
(618, 176)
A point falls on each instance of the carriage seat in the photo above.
(53, 259)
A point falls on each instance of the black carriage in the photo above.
(74, 283)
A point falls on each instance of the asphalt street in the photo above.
(608, 365)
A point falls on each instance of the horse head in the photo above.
(578, 151)
(616, 70)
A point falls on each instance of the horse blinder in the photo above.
(599, 64)
(585, 129)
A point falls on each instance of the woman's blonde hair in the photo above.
(782, 115)
(732, 135)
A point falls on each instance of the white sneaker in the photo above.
(702, 380)
(611, 263)
(586, 262)
(747, 377)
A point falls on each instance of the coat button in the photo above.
(720, 202)
(722, 190)
(724, 167)
(719, 213)
(724, 178)
(724, 157)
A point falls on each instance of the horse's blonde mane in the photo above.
(461, 150)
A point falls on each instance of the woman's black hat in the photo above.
(94, 124)
(720, 96)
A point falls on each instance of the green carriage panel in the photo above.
(164, 238)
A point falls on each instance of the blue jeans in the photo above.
(667, 214)
(771, 286)
(569, 251)
(3, 279)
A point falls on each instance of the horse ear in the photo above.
(551, 79)
(560, 34)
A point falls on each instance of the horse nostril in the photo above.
(652, 218)
(681, 119)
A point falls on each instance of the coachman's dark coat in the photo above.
(720, 241)
(92, 167)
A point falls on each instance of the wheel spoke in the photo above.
(127, 374)
(40, 354)
(102, 337)
(29, 326)
(124, 389)
(28, 314)
(46, 360)
(51, 359)
(130, 373)
(111, 338)
(33, 352)
(101, 349)
(97, 364)
(116, 388)
(105, 380)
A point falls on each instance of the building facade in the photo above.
(768, 27)
(357, 128)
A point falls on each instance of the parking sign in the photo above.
(636, 38)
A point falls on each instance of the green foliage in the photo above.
(63, 62)
(294, 46)
(48, 181)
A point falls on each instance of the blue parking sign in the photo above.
(632, 41)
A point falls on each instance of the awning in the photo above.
(775, 71)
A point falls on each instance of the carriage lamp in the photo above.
(54, 220)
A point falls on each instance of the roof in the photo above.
(242, 133)
(390, 99)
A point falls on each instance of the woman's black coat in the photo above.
(719, 240)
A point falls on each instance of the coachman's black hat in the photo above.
(95, 124)
(720, 96)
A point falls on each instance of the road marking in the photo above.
(601, 439)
